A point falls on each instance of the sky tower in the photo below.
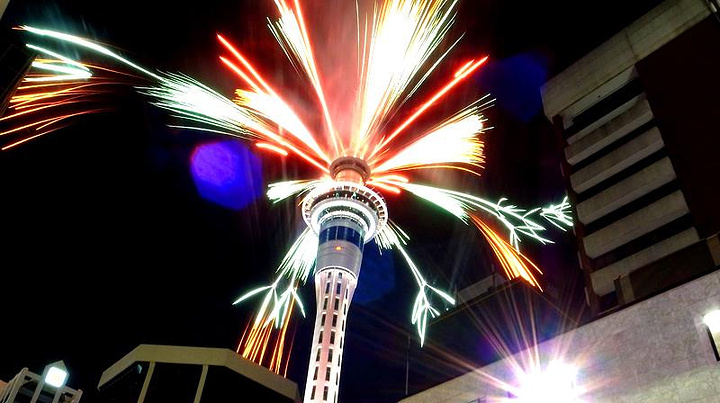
(345, 214)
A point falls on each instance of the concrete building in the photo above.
(636, 121)
(155, 373)
(29, 387)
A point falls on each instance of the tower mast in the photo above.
(345, 215)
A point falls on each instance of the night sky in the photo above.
(115, 232)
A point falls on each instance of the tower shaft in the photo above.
(345, 216)
(337, 269)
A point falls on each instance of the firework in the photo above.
(398, 49)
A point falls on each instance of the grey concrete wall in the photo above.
(617, 160)
(3, 6)
(635, 225)
(657, 350)
(574, 90)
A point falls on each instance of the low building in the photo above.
(156, 373)
(29, 387)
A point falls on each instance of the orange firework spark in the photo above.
(45, 102)
(259, 339)
(514, 263)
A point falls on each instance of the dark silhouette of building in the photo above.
(155, 373)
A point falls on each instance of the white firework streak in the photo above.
(403, 36)
(558, 214)
(193, 101)
(273, 108)
(88, 45)
(280, 191)
(71, 70)
(275, 306)
(516, 220)
(300, 259)
(392, 236)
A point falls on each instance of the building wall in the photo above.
(634, 120)
(682, 84)
(592, 77)
(657, 350)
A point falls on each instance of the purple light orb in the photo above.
(227, 173)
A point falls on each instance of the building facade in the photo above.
(156, 373)
(30, 387)
(636, 120)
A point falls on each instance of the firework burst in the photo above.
(398, 49)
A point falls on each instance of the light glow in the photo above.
(555, 384)
(712, 320)
(56, 375)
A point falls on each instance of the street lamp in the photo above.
(56, 374)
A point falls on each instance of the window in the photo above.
(337, 379)
(325, 303)
(332, 337)
(330, 355)
(312, 394)
(322, 323)
(325, 393)
(341, 341)
(345, 308)
(340, 275)
(320, 338)
(327, 287)
(315, 376)
(317, 357)
(327, 373)
(343, 328)
(334, 322)
(337, 303)
(346, 292)
(337, 289)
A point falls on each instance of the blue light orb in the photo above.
(516, 82)
(227, 173)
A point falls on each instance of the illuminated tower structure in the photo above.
(345, 215)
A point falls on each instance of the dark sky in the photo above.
(107, 242)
